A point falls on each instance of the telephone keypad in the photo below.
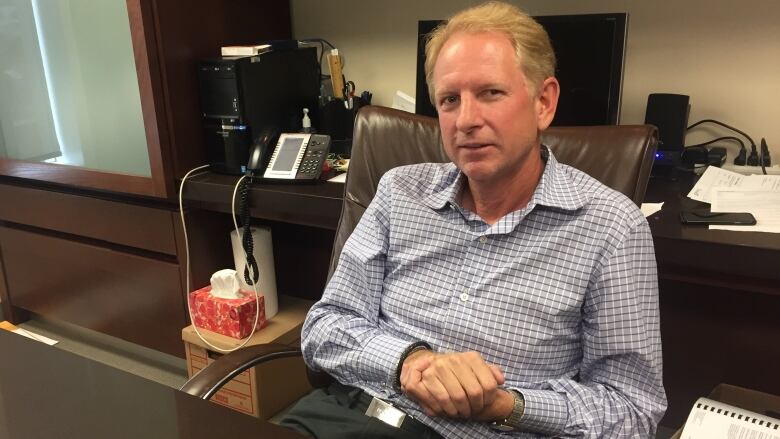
(311, 163)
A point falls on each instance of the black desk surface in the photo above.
(742, 260)
(46, 392)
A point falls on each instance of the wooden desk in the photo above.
(51, 393)
(316, 205)
(720, 297)
(720, 258)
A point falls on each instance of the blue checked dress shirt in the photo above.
(562, 295)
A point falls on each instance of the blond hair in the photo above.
(532, 46)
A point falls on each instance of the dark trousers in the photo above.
(338, 411)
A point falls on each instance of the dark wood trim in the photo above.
(79, 177)
(143, 31)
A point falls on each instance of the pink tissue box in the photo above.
(231, 317)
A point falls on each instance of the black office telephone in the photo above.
(296, 157)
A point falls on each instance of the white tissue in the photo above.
(225, 284)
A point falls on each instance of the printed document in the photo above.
(715, 420)
(728, 191)
(764, 204)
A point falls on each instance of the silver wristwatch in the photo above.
(512, 423)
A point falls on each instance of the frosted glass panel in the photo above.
(68, 85)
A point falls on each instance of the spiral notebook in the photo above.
(715, 420)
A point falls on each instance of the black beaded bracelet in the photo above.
(416, 346)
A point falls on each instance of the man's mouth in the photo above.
(473, 145)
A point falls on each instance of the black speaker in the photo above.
(668, 112)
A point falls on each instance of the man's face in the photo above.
(489, 120)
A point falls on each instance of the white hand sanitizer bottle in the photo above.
(306, 123)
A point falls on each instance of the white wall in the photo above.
(724, 54)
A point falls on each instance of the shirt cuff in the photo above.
(381, 360)
(546, 412)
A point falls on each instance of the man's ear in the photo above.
(547, 102)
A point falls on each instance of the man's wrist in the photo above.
(412, 348)
(513, 415)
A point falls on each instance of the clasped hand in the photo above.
(458, 385)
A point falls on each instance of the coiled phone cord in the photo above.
(251, 277)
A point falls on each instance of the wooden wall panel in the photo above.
(714, 335)
(120, 223)
(131, 297)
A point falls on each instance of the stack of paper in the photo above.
(728, 191)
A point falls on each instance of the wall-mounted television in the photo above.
(589, 49)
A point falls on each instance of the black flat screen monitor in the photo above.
(589, 50)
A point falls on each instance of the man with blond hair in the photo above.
(503, 294)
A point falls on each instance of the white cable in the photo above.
(187, 255)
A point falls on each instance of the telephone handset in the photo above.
(259, 151)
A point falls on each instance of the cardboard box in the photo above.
(753, 400)
(264, 390)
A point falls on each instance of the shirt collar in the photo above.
(448, 189)
(555, 188)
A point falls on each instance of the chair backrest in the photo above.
(619, 156)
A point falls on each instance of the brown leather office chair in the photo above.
(621, 157)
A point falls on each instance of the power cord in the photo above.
(766, 160)
(322, 42)
(741, 160)
(719, 139)
(187, 256)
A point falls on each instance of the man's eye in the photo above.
(449, 100)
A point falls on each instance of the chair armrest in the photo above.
(209, 380)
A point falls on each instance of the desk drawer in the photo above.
(132, 297)
(131, 225)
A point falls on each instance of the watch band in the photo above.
(512, 423)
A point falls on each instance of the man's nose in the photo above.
(469, 114)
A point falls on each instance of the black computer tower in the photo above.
(243, 96)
